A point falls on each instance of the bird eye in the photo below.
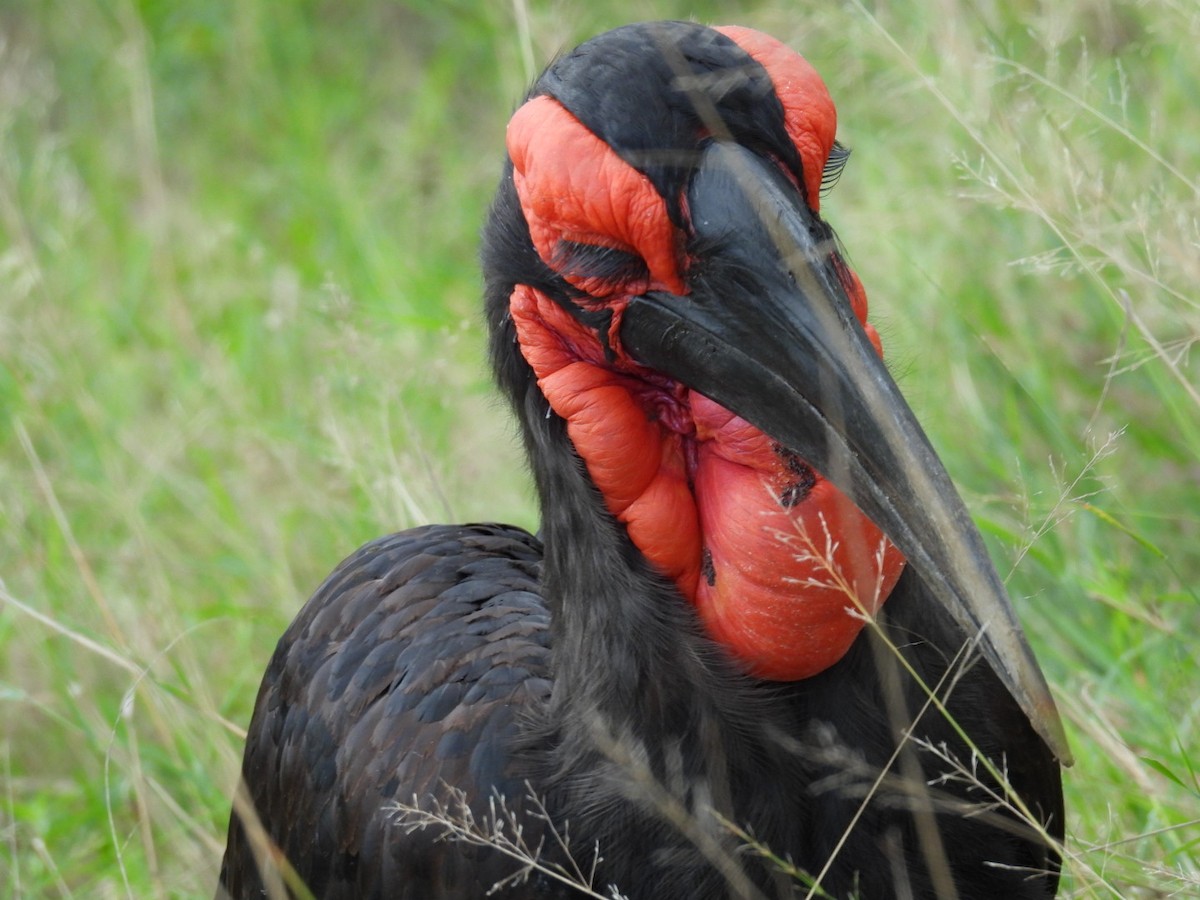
(577, 261)
(838, 157)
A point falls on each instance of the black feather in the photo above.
(475, 662)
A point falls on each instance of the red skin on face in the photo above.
(574, 187)
(781, 566)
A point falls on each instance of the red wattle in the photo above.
(793, 568)
(782, 568)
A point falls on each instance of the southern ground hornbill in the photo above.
(688, 684)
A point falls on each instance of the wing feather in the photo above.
(407, 671)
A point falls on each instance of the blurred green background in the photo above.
(240, 335)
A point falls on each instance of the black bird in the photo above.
(688, 685)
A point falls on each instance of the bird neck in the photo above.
(628, 648)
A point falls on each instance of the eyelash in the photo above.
(612, 264)
(838, 157)
(597, 261)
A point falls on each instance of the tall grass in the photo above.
(239, 336)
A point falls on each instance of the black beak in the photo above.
(768, 332)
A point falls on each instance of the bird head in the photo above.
(658, 268)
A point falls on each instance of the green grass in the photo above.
(239, 335)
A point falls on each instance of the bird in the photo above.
(756, 648)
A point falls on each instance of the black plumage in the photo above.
(423, 663)
(452, 665)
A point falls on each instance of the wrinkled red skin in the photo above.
(781, 566)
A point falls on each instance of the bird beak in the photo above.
(767, 331)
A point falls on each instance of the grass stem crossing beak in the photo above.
(768, 332)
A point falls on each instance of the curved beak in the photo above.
(768, 332)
